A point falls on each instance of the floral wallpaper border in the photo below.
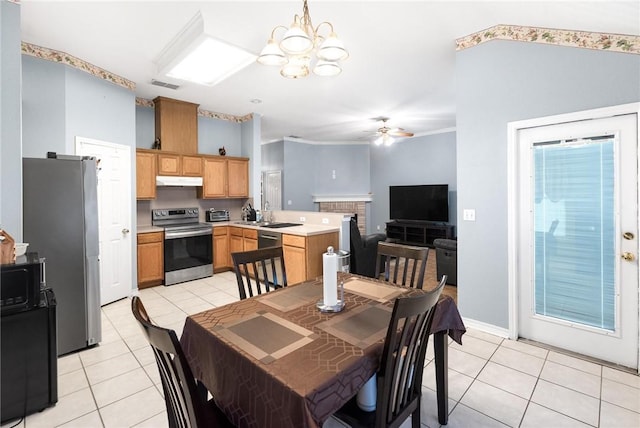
(14, 1)
(578, 39)
(143, 102)
(72, 61)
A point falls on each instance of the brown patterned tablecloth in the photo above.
(276, 361)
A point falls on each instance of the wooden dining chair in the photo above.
(408, 261)
(186, 401)
(399, 378)
(261, 270)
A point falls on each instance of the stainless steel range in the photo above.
(188, 246)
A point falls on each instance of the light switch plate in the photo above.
(469, 215)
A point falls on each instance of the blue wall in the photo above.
(499, 82)
(10, 122)
(429, 159)
(351, 166)
(145, 127)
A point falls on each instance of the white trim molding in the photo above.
(342, 198)
(486, 328)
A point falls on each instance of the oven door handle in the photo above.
(186, 233)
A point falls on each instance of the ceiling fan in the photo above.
(385, 135)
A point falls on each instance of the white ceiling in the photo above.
(401, 65)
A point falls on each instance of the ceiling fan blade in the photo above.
(401, 134)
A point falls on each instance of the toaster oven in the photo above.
(213, 216)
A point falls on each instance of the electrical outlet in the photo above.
(333, 174)
(378, 227)
(303, 218)
(289, 202)
(325, 221)
(469, 215)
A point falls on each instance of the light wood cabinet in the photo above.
(145, 174)
(238, 178)
(224, 177)
(150, 259)
(303, 255)
(179, 165)
(236, 244)
(214, 178)
(250, 239)
(177, 125)
(169, 164)
(220, 248)
(192, 166)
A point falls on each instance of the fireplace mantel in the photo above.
(343, 198)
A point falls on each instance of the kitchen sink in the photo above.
(279, 225)
(268, 224)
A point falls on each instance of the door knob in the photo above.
(628, 236)
(125, 231)
(628, 256)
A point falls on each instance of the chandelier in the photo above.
(302, 44)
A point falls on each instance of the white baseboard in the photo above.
(486, 328)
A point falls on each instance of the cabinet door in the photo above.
(192, 166)
(220, 251)
(236, 245)
(168, 164)
(145, 175)
(214, 179)
(250, 244)
(150, 264)
(295, 264)
(177, 125)
(238, 170)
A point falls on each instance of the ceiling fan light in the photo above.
(295, 41)
(388, 139)
(378, 141)
(327, 68)
(332, 49)
(271, 54)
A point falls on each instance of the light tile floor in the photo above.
(493, 382)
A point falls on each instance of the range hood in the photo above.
(170, 180)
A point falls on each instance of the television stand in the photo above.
(420, 233)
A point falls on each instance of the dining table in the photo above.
(276, 360)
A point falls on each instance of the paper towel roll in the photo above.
(330, 278)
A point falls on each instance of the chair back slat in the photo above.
(259, 271)
(400, 374)
(405, 261)
(184, 408)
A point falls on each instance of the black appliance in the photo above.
(21, 283)
(427, 202)
(29, 358)
(213, 215)
(188, 244)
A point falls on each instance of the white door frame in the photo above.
(513, 151)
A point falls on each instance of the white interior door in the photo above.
(114, 215)
(578, 237)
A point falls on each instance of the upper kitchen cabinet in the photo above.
(238, 178)
(177, 125)
(146, 174)
(179, 165)
(224, 178)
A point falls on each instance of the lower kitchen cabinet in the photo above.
(250, 239)
(150, 259)
(220, 248)
(303, 255)
(235, 243)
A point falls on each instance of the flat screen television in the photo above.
(427, 202)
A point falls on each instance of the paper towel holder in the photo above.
(339, 306)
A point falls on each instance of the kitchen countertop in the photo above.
(302, 230)
(149, 229)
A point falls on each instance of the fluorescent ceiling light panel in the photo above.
(197, 57)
